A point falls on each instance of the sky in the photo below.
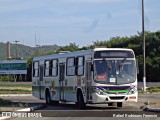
(61, 22)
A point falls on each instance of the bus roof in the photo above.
(77, 53)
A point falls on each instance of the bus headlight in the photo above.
(100, 92)
(132, 91)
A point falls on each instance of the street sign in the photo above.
(13, 67)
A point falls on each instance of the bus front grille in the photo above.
(117, 98)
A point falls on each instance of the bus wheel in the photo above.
(80, 101)
(48, 98)
(55, 102)
(119, 104)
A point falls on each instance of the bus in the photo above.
(95, 76)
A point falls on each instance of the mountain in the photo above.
(25, 51)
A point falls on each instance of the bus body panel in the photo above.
(64, 85)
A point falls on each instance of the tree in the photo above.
(71, 47)
(135, 43)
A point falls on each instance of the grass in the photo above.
(9, 88)
(14, 88)
(16, 85)
(151, 90)
(15, 91)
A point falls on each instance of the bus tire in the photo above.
(48, 98)
(119, 104)
(55, 102)
(80, 101)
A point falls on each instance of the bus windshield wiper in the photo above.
(124, 60)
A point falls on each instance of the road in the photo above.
(68, 111)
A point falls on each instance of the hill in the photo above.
(26, 51)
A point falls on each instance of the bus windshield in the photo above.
(115, 71)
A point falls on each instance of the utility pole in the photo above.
(37, 46)
(8, 51)
(15, 76)
(144, 49)
(16, 41)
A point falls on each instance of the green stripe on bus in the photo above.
(119, 91)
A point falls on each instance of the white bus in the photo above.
(100, 75)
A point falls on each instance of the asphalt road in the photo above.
(84, 118)
(68, 111)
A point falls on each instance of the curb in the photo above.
(152, 109)
(31, 109)
(37, 107)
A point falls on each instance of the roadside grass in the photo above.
(151, 90)
(16, 85)
(9, 88)
(15, 91)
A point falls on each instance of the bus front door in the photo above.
(61, 80)
(88, 81)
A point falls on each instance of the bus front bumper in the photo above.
(96, 98)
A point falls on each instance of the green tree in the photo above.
(71, 47)
(136, 43)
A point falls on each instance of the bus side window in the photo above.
(54, 68)
(46, 70)
(80, 66)
(70, 66)
(35, 69)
